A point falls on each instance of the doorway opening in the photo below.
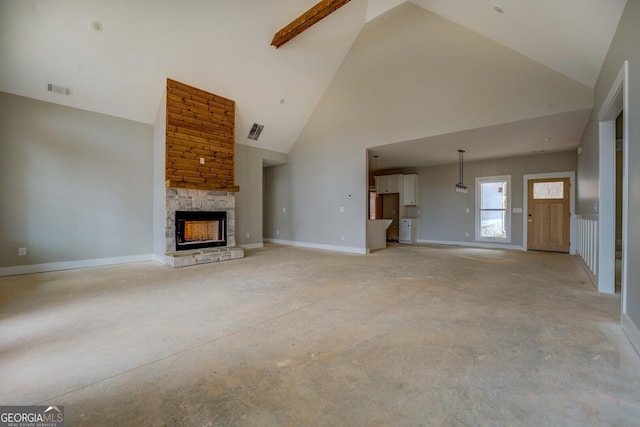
(613, 123)
(619, 170)
(375, 205)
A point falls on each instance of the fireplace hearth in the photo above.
(200, 229)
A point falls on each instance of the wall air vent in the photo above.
(255, 132)
(59, 89)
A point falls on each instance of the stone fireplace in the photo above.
(197, 204)
(195, 165)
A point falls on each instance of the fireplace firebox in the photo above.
(200, 229)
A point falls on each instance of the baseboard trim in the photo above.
(70, 265)
(253, 246)
(631, 331)
(472, 244)
(592, 277)
(346, 249)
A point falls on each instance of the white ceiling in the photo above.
(548, 134)
(570, 36)
(221, 46)
(224, 47)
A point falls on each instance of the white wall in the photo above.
(74, 185)
(410, 74)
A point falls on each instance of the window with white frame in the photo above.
(493, 209)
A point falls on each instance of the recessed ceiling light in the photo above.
(94, 25)
(498, 8)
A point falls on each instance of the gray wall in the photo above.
(277, 197)
(249, 200)
(159, 177)
(623, 47)
(80, 185)
(74, 184)
(443, 214)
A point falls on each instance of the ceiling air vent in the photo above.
(59, 89)
(255, 132)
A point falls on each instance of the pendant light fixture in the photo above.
(460, 187)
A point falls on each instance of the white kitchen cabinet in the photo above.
(410, 187)
(387, 184)
(407, 230)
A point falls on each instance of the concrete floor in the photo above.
(408, 336)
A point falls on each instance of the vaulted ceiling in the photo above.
(224, 47)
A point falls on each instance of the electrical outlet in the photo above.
(248, 235)
(22, 251)
(342, 237)
(466, 234)
(284, 210)
(342, 209)
(202, 160)
(277, 232)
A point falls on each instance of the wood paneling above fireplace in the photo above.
(200, 139)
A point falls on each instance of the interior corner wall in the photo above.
(249, 200)
(623, 47)
(159, 177)
(309, 201)
(443, 212)
(74, 185)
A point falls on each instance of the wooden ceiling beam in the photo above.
(321, 10)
